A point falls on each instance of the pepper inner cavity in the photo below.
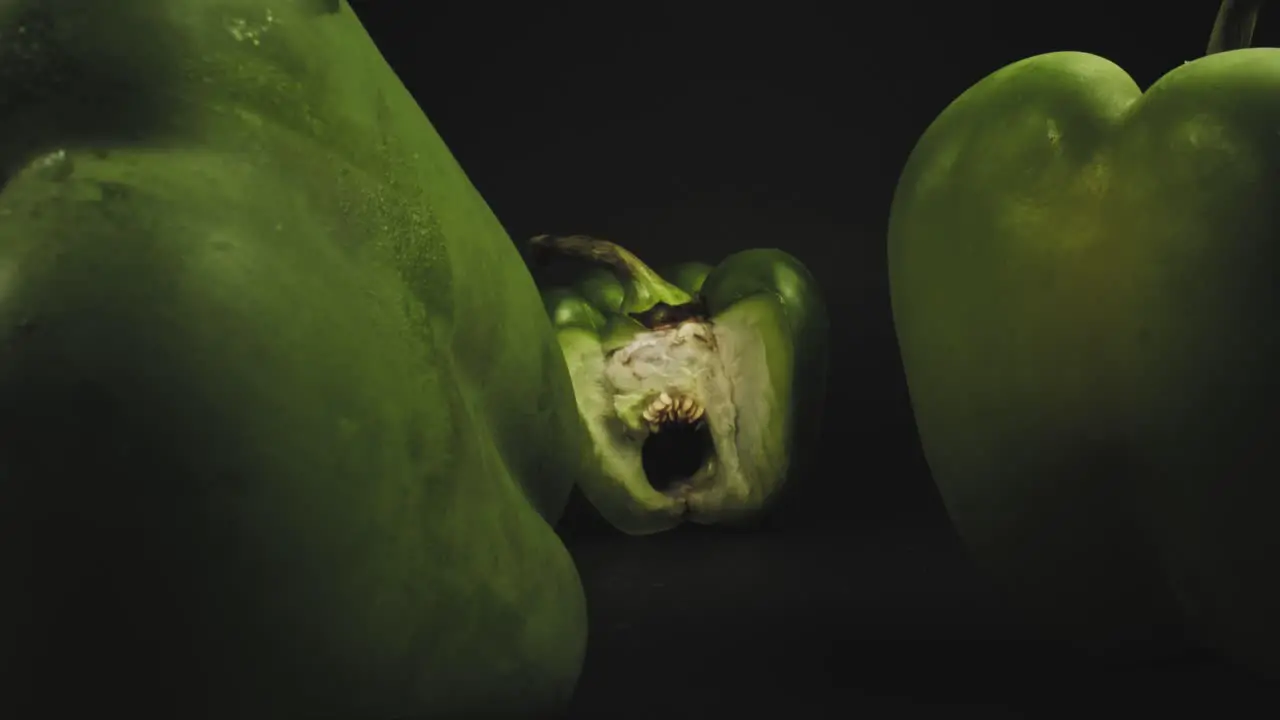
(668, 385)
(678, 446)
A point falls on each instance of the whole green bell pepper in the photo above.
(1084, 286)
(703, 395)
(285, 429)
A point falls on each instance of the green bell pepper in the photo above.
(285, 429)
(1084, 287)
(702, 394)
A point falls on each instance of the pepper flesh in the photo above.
(758, 376)
(272, 448)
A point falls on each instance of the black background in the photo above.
(684, 131)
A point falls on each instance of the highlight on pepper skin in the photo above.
(696, 393)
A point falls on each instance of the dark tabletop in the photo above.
(882, 618)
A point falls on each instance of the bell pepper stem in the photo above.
(646, 287)
(1233, 28)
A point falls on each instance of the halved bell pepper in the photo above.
(702, 394)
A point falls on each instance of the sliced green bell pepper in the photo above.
(285, 428)
(1084, 284)
(703, 395)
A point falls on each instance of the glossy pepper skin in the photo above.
(763, 302)
(284, 427)
(1084, 287)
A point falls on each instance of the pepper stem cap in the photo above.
(645, 288)
(1233, 28)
